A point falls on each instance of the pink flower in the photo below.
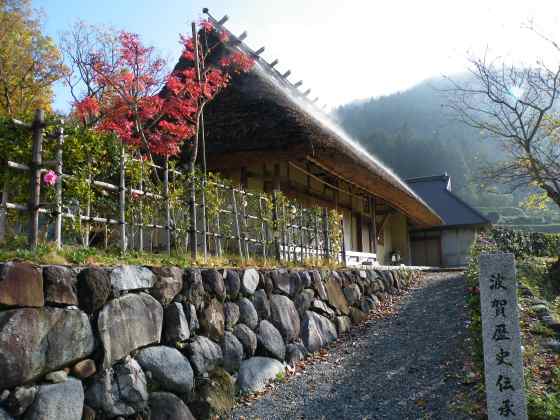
(50, 178)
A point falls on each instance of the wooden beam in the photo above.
(323, 167)
(235, 159)
(310, 174)
(381, 225)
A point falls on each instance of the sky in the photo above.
(342, 50)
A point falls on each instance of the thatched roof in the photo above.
(262, 114)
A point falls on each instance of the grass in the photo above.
(541, 366)
(46, 253)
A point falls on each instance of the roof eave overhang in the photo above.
(415, 209)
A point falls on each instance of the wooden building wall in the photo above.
(311, 192)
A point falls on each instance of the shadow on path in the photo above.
(404, 366)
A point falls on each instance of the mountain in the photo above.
(415, 134)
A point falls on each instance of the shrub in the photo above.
(523, 244)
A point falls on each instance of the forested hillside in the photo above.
(416, 135)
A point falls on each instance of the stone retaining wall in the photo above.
(163, 343)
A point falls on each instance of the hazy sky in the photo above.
(343, 50)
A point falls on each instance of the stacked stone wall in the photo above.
(161, 343)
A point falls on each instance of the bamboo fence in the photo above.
(249, 224)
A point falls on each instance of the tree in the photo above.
(154, 111)
(29, 61)
(83, 46)
(518, 106)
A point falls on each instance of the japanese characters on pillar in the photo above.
(503, 364)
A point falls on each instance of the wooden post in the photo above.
(275, 218)
(285, 233)
(88, 208)
(36, 162)
(326, 241)
(263, 228)
(276, 226)
(201, 136)
(152, 233)
(193, 241)
(219, 236)
(58, 221)
(288, 224)
(203, 195)
(167, 206)
(343, 249)
(3, 212)
(244, 204)
(236, 222)
(122, 201)
(373, 226)
(141, 209)
(316, 221)
(301, 234)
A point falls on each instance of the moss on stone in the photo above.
(214, 396)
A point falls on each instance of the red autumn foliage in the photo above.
(89, 107)
(133, 106)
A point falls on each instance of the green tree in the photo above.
(30, 62)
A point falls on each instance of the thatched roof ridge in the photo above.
(263, 111)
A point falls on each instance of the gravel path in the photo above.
(403, 366)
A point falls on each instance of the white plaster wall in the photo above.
(455, 246)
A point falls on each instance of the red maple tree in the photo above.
(155, 112)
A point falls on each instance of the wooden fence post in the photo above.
(285, 233)
(3, 212)
(36, 162)
(204, 219)
(58, 222)
(219, 237)
(301, 234)
(167, 206)
(244, 203)
(292, 233)
(275, 218)
(343, 246)
(141, 209)
(200, 135)
(316, 236)
(276, 225)
(236, 222)
(122, 201)
(193, 244)
(88, 208)
(326, 239)
(263, 228)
